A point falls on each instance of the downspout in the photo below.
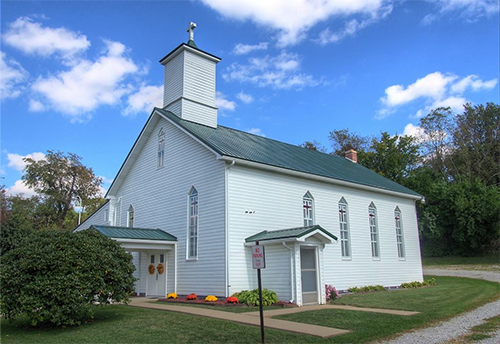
(292, 286)
(226, 226)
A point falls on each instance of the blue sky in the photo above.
(83, 77)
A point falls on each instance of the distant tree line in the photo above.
(454, 162)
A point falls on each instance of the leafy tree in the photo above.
(393, 157)
(313, 145)
(343, 140)
(61, 178)
(55, 276)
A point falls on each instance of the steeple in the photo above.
(189, 90)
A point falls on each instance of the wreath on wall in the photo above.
(160, 268)
(151, 269)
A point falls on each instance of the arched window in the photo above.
(308, 209)
(399, 233)
(192, 245)
(344, 229)
(161, 148)
(372, 220)
(130, 216)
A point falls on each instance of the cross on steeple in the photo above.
(190, 29)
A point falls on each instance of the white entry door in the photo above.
(156, 282)
(309, 275)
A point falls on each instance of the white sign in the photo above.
(258, 257)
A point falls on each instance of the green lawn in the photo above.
(122, 324)
(493, 259)
(451, 296)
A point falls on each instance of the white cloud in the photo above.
(435, 90)
(242, 49)
(33, 38)
(89, 84)
(36, 106)
(144, 100)
(473, 82)
(413, 130)
(469, 10)
(16, 161)
(222, 103)
(256, 131)
(20, 188)
(279, 72)
(292, 19)
(12, 75)
(244, 97)
(352, 26)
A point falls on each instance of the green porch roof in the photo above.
(290, 233)
(134, 233)
(242, 145)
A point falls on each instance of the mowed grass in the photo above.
(493, 259)
(123, 324)
(450, 297)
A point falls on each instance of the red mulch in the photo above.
(222, 303)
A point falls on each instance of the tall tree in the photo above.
(61, 178)
(313, 145)
(343, 140)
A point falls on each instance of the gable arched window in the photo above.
(399, 233)
(161, 148)
(130, 216)
(344, 229)
(308, 209)
(372, 220)
(192, 244)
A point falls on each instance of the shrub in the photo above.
(416, 284)
(55, 276)
(367, 289)
(251, 298)
(331, 292)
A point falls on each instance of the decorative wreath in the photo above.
(151, 269)
(160, 268)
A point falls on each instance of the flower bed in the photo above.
(221, 303)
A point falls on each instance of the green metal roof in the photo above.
(238, 144)
(289, 233)
(134, 233)
(192, 44)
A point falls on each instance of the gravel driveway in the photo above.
(459, 325)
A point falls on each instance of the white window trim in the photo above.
(309, 198)
(377, 232)
(348, 226)
(160, 163)
(397, 212)
(128, 215)
(188, 237)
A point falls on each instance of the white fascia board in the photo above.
(271, 242)
(217, 155)
(318, 178)
(325, 238)
(192, 50)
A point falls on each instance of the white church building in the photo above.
(194, 196)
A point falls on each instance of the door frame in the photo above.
(316, 248)
(157, 254)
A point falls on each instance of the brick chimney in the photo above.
(352, 155)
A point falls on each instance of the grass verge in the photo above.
(493, 259)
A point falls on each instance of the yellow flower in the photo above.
(210, 298)
(172, 296)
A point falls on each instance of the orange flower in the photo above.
(232, 299)
(192, 297)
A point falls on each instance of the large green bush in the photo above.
(251, 297)
(56, 276)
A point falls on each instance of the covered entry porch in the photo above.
(154, 256)
(304, 247)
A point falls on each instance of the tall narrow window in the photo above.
(161, 147)
(399, 233)
(344, 229)
(307, 206)
(193, 224)
(372, 218)
(130, 216)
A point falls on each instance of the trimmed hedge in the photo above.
(55, 276)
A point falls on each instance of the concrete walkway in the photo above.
(313, 330)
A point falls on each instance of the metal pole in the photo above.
(261, 311)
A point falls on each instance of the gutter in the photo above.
(318, 178)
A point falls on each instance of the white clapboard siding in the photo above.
(199, 79)
(160, 200)
(97, 218)
(277, 202)
(199, 113)
(276, 275)
(136, 274)
(175, 107)
(174, 76)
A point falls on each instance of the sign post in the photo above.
(259, 262)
